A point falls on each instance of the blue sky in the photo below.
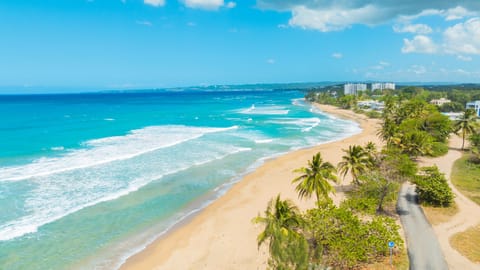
(115, 44)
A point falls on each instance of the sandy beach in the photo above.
(222, 236)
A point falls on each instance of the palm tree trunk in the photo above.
(463, 141)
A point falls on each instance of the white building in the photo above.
(474, 105)
(440, 102)
(454, 116)
(371, 104)
(383, 86)
(353, 88)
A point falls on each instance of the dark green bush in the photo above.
(432, 188)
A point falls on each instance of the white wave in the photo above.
(305, 124)
(263, 141)
(264, 110)
(106, 150)
(57, 148)
(109, 119)
(57, 196)
(298, 102)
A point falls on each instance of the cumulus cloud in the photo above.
(208, 4)
(334, 15)
(419, 44)
(463, 38)
(413, 28)
(337, 55)
(458, 13)
(155, 3)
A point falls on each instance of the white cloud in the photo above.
(337, 55)
(334, 15)
(381, 65)
(458, 13)
(207, 4)
(271, 61)
(333, 19)
(417, 69)
(146, 23)
(155, 3)
(419, 44)
(463, 38)
(413, 28)
(464, 58)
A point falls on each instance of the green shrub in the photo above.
(438, 149)
(374, 114)
(341, 240)
(432, 188)
(360, 204)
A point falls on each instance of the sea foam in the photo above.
(59, 194)
(106, 150)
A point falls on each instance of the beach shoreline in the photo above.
(221, 236)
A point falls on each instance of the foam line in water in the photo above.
(264, 110)
(57, 198)
(109, 149)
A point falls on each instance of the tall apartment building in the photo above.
(383, 86)
(353, 88)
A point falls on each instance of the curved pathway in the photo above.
(424, 250)
(466, 217)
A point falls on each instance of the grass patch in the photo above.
(467, 243)
(466, 178)
(438, 215)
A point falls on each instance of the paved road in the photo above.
(423, 248)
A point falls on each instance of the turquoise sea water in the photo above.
(88, 180)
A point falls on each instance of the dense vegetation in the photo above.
(354, 234)
(336, 236)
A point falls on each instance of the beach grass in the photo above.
(466, 178)
(467, 243)
(438, 215)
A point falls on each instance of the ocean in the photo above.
(87, 180)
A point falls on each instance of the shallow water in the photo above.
(87, 180)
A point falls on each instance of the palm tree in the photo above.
(314, 178)
(287, 246)
(281, 217)
(356, 161)
(466, 124)
(388, 130)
